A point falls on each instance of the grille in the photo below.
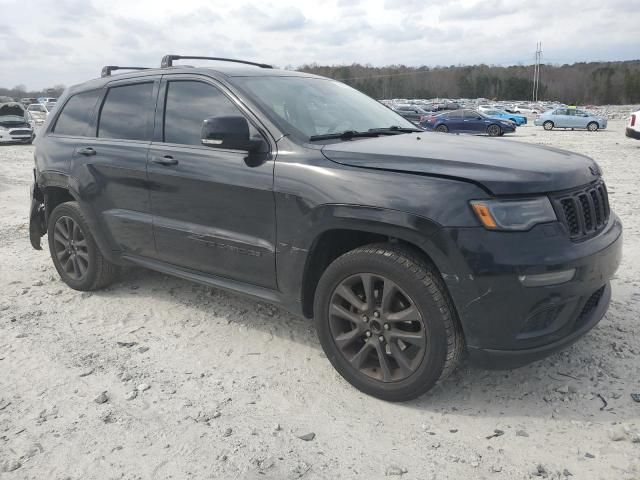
(20, 132)
(584, 212)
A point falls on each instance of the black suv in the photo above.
(408, 248)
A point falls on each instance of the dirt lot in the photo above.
(226, 385)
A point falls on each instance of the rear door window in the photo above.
(76, 115)
(188, 104)
(127, 112)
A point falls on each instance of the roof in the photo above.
(228, 71)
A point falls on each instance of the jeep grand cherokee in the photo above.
(407, 248)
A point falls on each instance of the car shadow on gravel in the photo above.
(557, 387)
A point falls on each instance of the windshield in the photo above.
(307, 107)
(36, 108)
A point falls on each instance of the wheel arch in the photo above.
(347, 231)
(55, 189)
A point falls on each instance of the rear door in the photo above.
(560, 118)
(213, 211)
(455, 121)
(110, 167)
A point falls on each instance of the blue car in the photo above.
(468, 121)
(570, 118)
(515, 118)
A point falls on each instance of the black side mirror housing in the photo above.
(227, 132)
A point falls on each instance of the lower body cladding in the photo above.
(521, 296)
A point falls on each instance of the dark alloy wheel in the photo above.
(74, 251)
(442, 129)
(548, 125)
(377, 327)
(494, 130)
(386, 322)
(70, 246)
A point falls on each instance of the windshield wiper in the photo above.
(346, 135)
(394, 129)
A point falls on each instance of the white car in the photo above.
(524, 109)
(38, 113)
(13, 124)
(633, 129)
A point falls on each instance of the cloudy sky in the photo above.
(46, 42)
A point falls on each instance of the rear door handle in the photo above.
(167, 160)
(86, 151)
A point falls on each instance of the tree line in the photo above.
(20, 91)
(599, 83)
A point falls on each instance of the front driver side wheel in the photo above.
(442, 129)
(494, 130)
(74, 252)
(386, 323)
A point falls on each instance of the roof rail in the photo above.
(167, 60)
(106, 70)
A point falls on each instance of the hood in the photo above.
(503, 167)
(12, 109)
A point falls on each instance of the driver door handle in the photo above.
(166, 160)
(86, 151)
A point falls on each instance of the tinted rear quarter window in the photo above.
(188, 104)
(76, 115)
(127, 112)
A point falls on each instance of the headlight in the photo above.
(513, 214)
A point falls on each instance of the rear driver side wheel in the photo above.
(386, 323)
(592, 126)
(74, 252)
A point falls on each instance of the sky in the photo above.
(48, 42)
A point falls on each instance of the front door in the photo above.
(213, 211)
(474, 122)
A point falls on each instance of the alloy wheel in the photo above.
(70, 246)
(377, 327)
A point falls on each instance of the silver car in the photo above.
(570, 118)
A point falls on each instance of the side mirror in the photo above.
(228, 132)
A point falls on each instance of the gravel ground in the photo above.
(199, 383)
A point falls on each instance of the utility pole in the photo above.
(536, 72)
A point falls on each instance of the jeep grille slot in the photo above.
(583, 212)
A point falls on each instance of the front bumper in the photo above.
(507, 324)
(631, 133)
(16, 135)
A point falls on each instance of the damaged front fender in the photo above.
(37, 218)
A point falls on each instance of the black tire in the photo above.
(494, 130)
(425, 291)
(442, 129)
(593, 126)
(77, 258)
(548, 125)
